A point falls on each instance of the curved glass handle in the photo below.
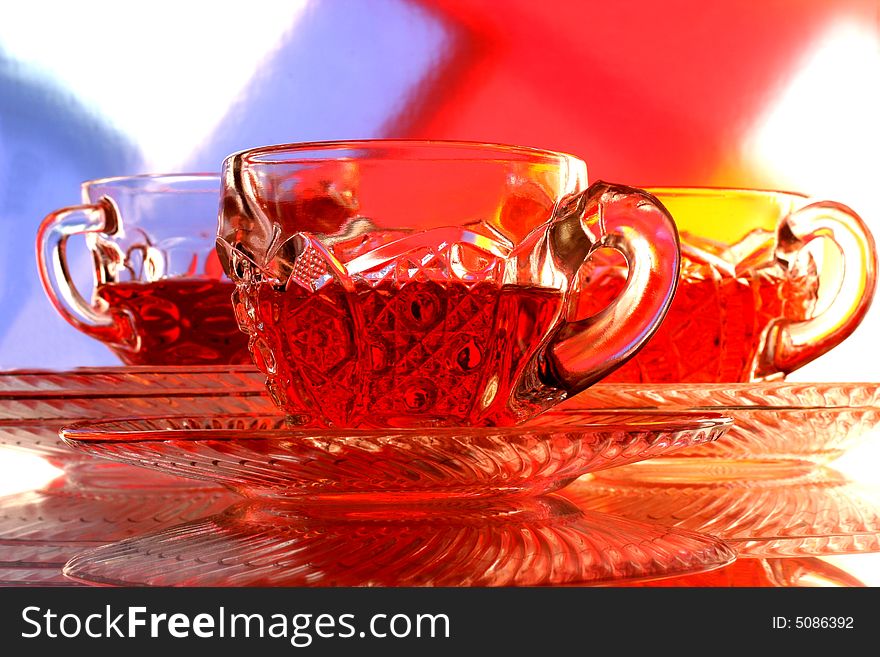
(850, 278)
(52, 237)
(637, 225)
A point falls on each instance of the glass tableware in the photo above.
(36, 404)
(772, 572)
(506, 542)
(160, 295)
(419, 284)
(773, 421)
(35, 576)
(756, 299)
(263, 456)
(762, 512)
(126, 381)
(47, 527)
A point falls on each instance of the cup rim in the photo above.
(176, 177)
(263, 154)
(713, 191)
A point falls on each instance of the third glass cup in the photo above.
(756, 299)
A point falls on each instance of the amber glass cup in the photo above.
(754, 302)
(411, 284)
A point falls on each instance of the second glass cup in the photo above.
(415, 284)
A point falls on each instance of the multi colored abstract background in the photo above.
(780, 94)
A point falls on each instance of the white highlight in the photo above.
(823, 132)
(20, 472)
(164, 72)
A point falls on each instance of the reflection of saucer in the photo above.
(34, 405)
(46, 527)
(796, 421)
(35, 576)
(506, 542)
(788, 571)
(785, 510)
(260, 456)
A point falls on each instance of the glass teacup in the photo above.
(160, 297)
(754, 303)
(405, 283)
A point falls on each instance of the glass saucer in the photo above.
(787, 510)
(27, 576)
(775, 572)
(130, 381)
(36, 404)
(814, 422)
(502, 542)
(260, 456)
(87, 507)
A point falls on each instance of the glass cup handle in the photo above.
(637, 225)
(52, 237)
(850, 284)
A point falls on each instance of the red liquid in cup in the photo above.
(418, 354)
(715, 327)
(176, 322)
